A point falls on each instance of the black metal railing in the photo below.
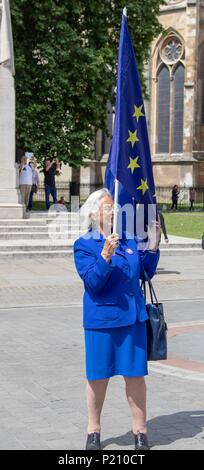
(83, 190)
(69, 189)
(164, 198)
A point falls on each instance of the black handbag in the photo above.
(34, 188)
(156, 325)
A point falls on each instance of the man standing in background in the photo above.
(50, 170)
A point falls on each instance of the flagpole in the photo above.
(116, 192)
(115, 206)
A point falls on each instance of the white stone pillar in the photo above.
(9, 195)
(10, 206)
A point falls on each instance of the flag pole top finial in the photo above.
(125, 11)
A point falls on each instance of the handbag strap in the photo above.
(143, 287)
(151, 289)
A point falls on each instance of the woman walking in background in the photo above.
(174, 197)
(192, 196)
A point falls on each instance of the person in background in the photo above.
(35, 182)
(25, 183)
(192, 196)
(174, 197)
(202, 241)
(163, 226)
(62, 201)
(50, 170)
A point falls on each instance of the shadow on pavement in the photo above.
(124, 440)
(165, 429)
(164, 271)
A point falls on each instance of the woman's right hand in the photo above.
(110, 245)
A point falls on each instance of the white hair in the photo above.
(91, 207)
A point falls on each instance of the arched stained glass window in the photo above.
(178, 109)
(170, 94)
(163, 110)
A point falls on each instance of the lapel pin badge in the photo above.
(129, 251)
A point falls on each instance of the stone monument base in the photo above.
(11, 211)
(10, 206)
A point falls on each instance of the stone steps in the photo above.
(44, 227)
(38, 235)
(60, 252)
(22, 223)
(37, 222)
(38, 232)
(33, 245)
(23, 229)
(42, 236)
(50, 234)
(16, 254)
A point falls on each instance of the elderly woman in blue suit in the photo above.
(114, 314)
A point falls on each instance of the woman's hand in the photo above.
(110, 245)
(154, 235)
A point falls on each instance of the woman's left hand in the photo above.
(154, 235)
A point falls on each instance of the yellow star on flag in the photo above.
(133, 164)
(138, 112)
(144, 186)
(132, 138)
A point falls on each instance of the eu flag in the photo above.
(129, 159)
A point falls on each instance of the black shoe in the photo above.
(141, 442)
(93, 441)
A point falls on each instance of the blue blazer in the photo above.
(112, 296)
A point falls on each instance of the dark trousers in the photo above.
(30, 204)
(174, 204)
(191, 208)
(50, 190)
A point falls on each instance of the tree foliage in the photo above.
(66, 58)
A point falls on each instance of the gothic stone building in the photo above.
(176, 85)
(175, 111)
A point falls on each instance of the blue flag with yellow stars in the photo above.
(130, 159)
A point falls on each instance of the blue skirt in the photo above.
(116, 351)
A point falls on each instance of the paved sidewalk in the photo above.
(42, 387)
(174, 239)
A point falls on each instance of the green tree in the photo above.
(66, 62)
